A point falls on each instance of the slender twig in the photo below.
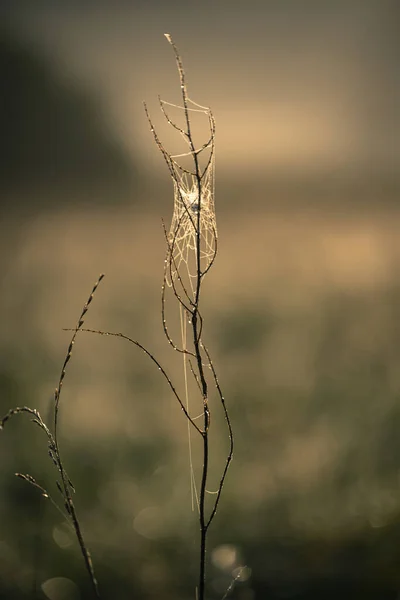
(184, 217)
(66, 487)
(155, 361)
(197, 348)
(230, 433)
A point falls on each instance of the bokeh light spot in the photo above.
(60, 588)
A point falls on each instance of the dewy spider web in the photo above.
(193, 209)
(192, 237)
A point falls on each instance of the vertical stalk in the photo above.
(193, 237)
(66, 483)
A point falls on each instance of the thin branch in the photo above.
(66, 482)
(32, 481)
(66, 487)
(190, 230)
(231, 441)
(155, 361)
(57, 393)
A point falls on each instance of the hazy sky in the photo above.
(299, 84)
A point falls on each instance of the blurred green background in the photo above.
(302, 311)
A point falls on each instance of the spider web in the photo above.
(192, 237)
(194, 211)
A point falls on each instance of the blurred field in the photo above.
(301, 309)
(301, 314)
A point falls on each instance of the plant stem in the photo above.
(203, 524)
(202, 496)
